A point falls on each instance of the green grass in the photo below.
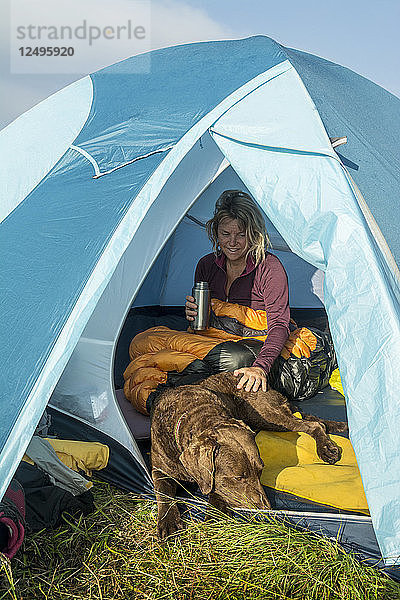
(114, 554)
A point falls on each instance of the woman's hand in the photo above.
(254, 378)
(190, 308)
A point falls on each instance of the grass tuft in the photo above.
(114, 554)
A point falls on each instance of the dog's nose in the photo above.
(259, 500)
(265, 501)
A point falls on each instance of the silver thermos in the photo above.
(201, 295)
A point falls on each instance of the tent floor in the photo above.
(138, 424)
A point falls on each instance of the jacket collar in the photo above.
(220, 261)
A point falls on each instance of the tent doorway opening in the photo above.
(149, 286)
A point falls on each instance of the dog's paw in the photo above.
(329, 451)
(169, 525)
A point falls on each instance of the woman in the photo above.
(240, 271)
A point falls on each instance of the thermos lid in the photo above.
(201, 285)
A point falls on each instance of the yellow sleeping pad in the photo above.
(335, 382)
(293, 466)
(85, 456)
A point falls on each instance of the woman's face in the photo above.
(232, 239)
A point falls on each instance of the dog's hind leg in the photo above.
(272, 412)
(327, 449)
(330, 426)
(168, 516)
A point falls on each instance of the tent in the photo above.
(104, 188)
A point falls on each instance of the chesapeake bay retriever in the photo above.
(204, 433)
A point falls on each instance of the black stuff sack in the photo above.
(301, 377)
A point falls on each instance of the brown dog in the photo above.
(197, 435)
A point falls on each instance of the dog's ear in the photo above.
(244, 435)
(199, 461)
(237, 423)
(243, 424)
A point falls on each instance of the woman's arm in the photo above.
(275, 291)
(273, 285)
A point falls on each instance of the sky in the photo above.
(358, 34)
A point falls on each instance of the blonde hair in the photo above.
(234, 204)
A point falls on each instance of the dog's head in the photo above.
(226, 461)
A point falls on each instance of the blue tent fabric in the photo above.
(61, 243)
(184, 83)
(52, 253)
(369, 116)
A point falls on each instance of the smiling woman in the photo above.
(232, 240)
(241, 271)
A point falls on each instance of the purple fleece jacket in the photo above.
(261, 287)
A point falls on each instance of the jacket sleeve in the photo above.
(274, 288)
(202, 272)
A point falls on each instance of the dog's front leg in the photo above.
(168, 517)
(327, 449)
(219, 503)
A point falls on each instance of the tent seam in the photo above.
(275, 148)
(282, 72)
